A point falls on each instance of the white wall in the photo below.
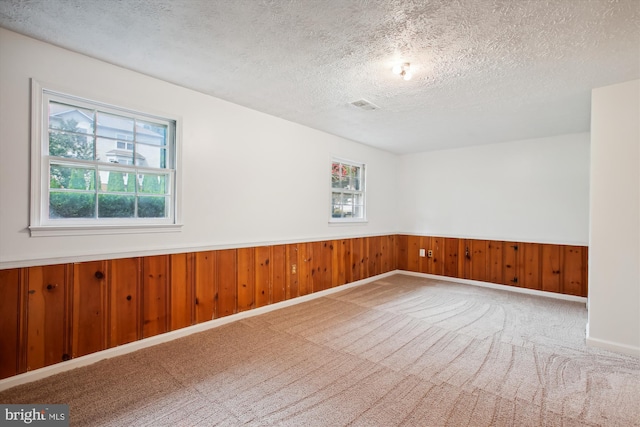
(533, 190)
(614, 253)
(248, 177)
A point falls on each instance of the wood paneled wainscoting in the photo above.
(544, 267)
(53, 313)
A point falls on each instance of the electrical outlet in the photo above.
(430, 253)
(293, 268)
(421, 252)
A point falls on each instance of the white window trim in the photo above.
(347, 221)
(40, 226)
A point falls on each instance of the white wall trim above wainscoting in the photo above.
(496, 286)
(493, 238)
(84, 257)
(92, 358)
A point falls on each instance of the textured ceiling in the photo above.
(485, 71)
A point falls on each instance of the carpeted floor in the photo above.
(399, 351)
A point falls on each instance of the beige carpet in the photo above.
(399, 351)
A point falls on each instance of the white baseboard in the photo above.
(496, 286)
(92, 358)
(613, 346)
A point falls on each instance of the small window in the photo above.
(100, 167)
(347, 191)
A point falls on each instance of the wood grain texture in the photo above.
(574, 270)
(436, 264)
(10, 316)
(293, 267)
(464, 254)
(155, 295)
(413, 253)
(358, 268)
(182, 290)
(548, 267)
(424, 262)
(226, 280)
(327, 263)
(48, 324)
(495, 269)
(388, 253)
(529, 266)
(205, 285)
(262, 270)
(374, 262)
(89, 307)
(476, 263)
(278, 273)
(321, 265)
(124, 285)
(341, 273)
(451, 257)
(305, 259)
(246, 279)
(550, 270)
(316, 266)
(511, 270)
(402, 247)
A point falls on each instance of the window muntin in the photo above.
(103, 165)
(347, 191)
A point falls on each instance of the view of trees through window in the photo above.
(88, 189)
(347, 190)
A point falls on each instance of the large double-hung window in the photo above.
(100, 168)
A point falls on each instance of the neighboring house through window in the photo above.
(347, 191)
(96, 166)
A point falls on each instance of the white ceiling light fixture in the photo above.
(403, 70)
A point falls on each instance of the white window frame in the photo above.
(362, 191)
(41, 224)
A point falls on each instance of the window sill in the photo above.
(56, 230)
(348, 221)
